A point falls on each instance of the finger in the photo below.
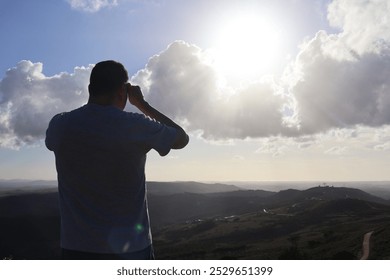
(128, 87)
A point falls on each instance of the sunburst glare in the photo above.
(247, 46)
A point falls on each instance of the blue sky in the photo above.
(131, 31)
(268, 90)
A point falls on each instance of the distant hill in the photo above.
(318, 223)
(348, 206)
(332, 193)
(168, 188)
(181, 207)
(322, 194)
(27, 183)
(216, 221)
(189, 206)
(16, 187)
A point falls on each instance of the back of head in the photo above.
(107, 77)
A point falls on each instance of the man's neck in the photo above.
(100, 100)
(104, 101)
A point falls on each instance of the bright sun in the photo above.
(247, 47)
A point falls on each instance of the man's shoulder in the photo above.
(135, 117)
(63, 116)
(59, 117)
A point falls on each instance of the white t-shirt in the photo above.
(100, 154)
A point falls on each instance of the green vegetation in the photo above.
(318, 223)
(261, 236)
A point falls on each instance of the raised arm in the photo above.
(136, 98)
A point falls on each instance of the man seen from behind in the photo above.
(100, 153)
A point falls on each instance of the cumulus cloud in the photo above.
(342, 80)
(364, 24)
(29, 99)
(180, 81)
(337, 82)
(91, 6)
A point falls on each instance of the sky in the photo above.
(268, 90)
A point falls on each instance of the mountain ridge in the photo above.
(218, 225)
(167, 188)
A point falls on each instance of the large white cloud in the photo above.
(29, 99)
(338, 81)
(180, 82)
(342, 80)
(364, 24)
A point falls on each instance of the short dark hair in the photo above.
(106, 77)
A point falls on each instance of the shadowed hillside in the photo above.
(30, 226)
(215, 221)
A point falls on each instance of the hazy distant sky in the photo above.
(267, 89)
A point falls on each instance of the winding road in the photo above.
(366, 245)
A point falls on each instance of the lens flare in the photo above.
(139, 228)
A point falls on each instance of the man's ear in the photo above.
(120, 97)
(123, 93)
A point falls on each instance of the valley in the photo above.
(190, 221)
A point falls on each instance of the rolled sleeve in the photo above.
(158, 136)
(52, 132)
